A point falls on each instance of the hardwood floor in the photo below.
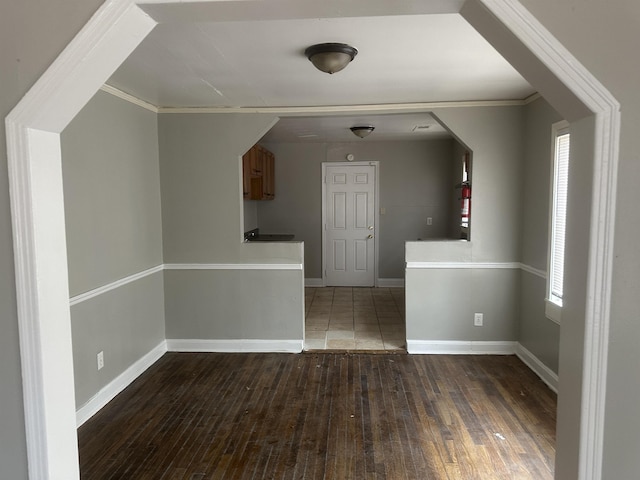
(197, 416)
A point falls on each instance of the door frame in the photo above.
(376, 206)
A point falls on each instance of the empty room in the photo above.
(276, 239)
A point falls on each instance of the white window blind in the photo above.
(559, 218)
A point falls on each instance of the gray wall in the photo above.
(537, 333)
(441, 302)
(415, 183)
(112, 192)
(113, 225)
(125, 323)
(201, 174)
(250, 208)
(536, 181)
(235, 304)
(32, 34)
(297, 206)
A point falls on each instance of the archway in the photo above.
(33, 129)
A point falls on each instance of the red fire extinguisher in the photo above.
(465, 204)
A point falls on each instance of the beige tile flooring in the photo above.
(354, 318)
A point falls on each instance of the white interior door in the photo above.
(350, 230)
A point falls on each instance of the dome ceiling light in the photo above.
(362, 130)
(330, 57)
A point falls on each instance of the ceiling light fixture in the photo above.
(330, 57)
(362, 131)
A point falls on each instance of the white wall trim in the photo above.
(547, 375)
(461, 265)
(476, 265)
(129, 98)
(117, 385)
(534, 271)
(233, 266)
(392, 107)
(382, 282)
(322, 109)
(179, 266)
(113, 285)
(460, 347)
(531, 98)
(235, 346)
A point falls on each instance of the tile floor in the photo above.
(354, 318)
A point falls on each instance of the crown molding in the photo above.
(531, 98)
(305, 110)
(116, 92)
(324, 109)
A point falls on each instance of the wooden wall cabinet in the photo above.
(258, 174)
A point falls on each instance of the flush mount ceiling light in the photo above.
(330, 57)
(362, 131)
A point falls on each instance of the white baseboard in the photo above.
(235, 346)
(382, 282)
(122, 381)
(456, 347)
(547, 375)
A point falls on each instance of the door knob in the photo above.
(370, 227)
(370, 236)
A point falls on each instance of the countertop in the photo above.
(255, 236)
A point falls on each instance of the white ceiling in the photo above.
(401, 59)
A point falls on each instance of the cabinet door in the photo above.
(256, 167)
(256, 160)
(258, 174)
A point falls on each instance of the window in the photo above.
(560, 178)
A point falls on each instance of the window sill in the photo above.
(553, 311)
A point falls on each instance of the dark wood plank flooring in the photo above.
(197, 416)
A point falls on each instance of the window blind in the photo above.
(561, 180)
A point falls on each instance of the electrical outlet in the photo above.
(100, 360)
(478, 319)
(429, 221)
